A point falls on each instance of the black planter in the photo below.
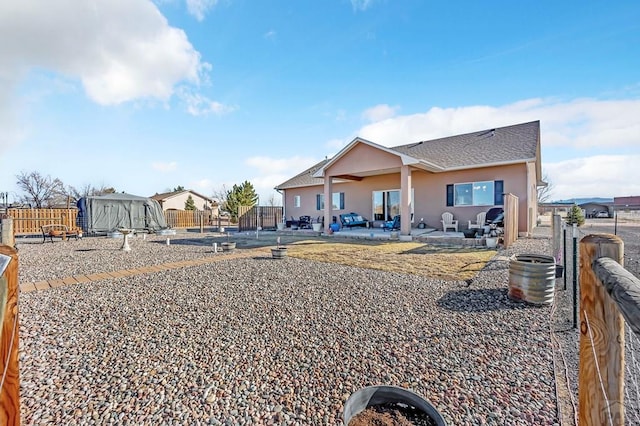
(373, 395)
(559, 271)
(469, 233)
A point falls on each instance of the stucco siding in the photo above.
(178, 202)
(429, 194)
(363, 158)
(431, 198)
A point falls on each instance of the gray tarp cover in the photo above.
(105, 213)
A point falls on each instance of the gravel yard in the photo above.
(257, 341)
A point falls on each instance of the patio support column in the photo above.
(405, 200)
(328, 204)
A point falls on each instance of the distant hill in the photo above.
(596, 200)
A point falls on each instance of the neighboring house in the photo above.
(631, 202)
(561, 207)
(176, 201)
(463, 174)
(592, 209)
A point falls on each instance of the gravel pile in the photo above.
(261, 341)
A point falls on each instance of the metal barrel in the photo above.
(532, 278)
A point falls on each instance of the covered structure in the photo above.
(106, 213)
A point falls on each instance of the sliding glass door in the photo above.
(386, 204)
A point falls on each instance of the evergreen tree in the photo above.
(190, 204)
(240, 195)
(575, 215)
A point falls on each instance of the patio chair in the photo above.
(480, 219)
(448, 222)
(304, 222)
(392, 225)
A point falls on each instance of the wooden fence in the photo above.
(9, 370)
(510, 219)
(194, 219)
(29, 221)
(609, 295)
(252, 217)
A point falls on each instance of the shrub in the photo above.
(575, 215)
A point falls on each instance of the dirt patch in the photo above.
(391, 415)
(404, 257)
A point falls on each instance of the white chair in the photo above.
(480, 219)
(448, 222)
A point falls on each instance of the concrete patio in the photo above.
(427, 235)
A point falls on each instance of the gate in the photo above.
(251, 217)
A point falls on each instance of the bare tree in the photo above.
(88, 190)
(273, 201)
(41, 191)
(544, 192)
(220, 197)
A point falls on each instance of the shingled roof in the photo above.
(305, 178)
(166, 195)
(502, 145)
(490, 147)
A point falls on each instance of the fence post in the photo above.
(564, 253)
(8, 237)
(575, 274)
(10, 385)
(601, 368)
(556, 231)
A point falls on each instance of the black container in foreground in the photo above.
(377, 395)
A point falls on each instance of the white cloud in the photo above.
(164, 167)
(361, 4)
(601, 135)
(199, 8)
(198, 105)
(581, 123)
(379, 112)
(119, 50)
(270, 35)
(597, 176)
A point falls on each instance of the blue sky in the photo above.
(144, 96)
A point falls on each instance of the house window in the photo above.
(296, 201)
(337, 201)
(386, 204)
(483, 193)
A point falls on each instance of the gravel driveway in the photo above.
(259, 341)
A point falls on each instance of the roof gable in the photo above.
(167, 195)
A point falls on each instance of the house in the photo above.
(463, 174)
(176, 201)
(594, 209)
